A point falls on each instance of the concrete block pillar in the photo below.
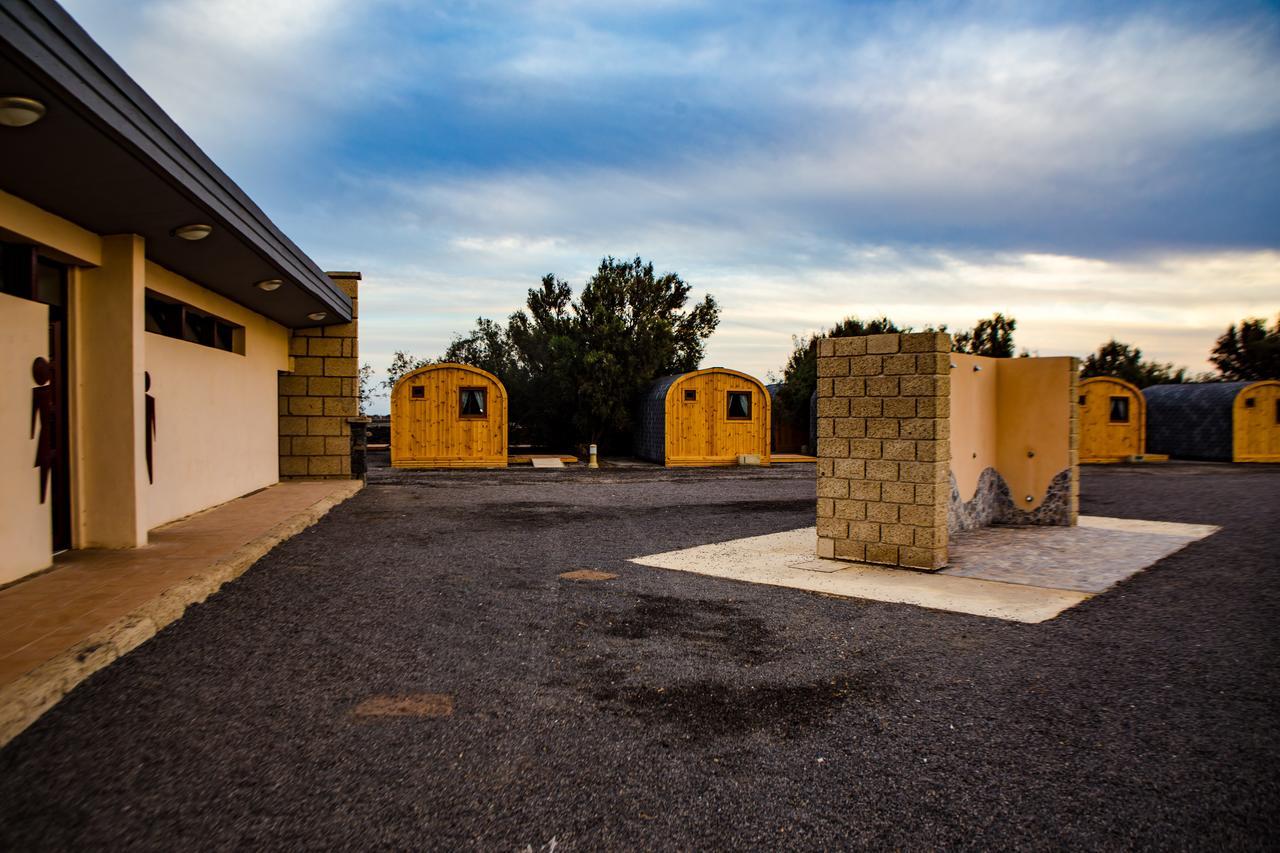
(320, 394)
(884, 448)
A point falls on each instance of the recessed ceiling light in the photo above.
(317, 315)
(269, 285)
(196, 231)
(20, 112)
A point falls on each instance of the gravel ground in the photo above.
(663, 710)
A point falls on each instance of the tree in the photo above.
(366, 387)
(630, 326)
(576, 368)
(1248, 351)
(800, 376)
(487, 347)
(401, 363)
(1125, 362)
(993, 337)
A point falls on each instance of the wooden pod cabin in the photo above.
(449, 416)
(1221, 421)
(707, 417)
(1113, 420)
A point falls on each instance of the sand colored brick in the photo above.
(884, 461)
(320, 394)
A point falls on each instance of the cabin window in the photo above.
(418, 392)
(1278, 411)
(739, 405)
(1248, 402)
(1119, 410)
(1082, 399)
(472, 403)
(691, 395)
(173, 319)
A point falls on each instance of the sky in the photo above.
(1095, 170)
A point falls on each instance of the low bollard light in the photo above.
(594, 463)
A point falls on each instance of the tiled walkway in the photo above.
(44, 616)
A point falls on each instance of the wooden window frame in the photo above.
(1128, 410)
(484, 396)
(418, 392)
(728, 406)
(690, 395)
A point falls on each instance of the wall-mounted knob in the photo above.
(1030, 499)
(1031, 454)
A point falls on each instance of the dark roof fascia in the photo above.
(57, 50)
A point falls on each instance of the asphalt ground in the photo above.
(663, 710)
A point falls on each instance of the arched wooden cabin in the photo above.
(707, 417)
(449, 416)
(1113, 420)
(786, 435)
(1222, 421)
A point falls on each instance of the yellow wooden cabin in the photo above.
(449, 416)
(707, 417)
(1113, 420)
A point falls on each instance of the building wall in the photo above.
(320, 394)
(215, 410)
(24, 522)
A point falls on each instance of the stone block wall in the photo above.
(320, 394)
(884, 449)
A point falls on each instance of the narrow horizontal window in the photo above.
(166, 316)
(472, 403)
(739, 405)
(1119, 410)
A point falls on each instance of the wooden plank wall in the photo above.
(700, 432)
(1257, 427)
(429, 432)
(1101, 440)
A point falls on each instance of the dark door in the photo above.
(51, 289)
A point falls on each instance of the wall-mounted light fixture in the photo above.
(268, 285)
(954, 365)
(977, 368)
(317, 315)
(16, 111)
(194, 231)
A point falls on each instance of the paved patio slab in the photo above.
(1018, 574)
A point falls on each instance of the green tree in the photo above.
(401, 363)
(993, 337)
(1125, 362)
(629, 327)
(1248, 351)
(575, 369)
(367, 388)
(800, 376)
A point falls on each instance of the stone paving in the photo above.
(1091, 557)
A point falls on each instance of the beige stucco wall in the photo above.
(216, 411)
(1013, 415)
(1034, 418)
(974, 395)
(24, 521)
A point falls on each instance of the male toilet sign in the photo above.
(151, 425)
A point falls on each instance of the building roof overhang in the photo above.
(106, 157)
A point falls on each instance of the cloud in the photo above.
(1093, 170)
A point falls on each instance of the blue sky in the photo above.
(1094, 169)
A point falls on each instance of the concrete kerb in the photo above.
(25, 699)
